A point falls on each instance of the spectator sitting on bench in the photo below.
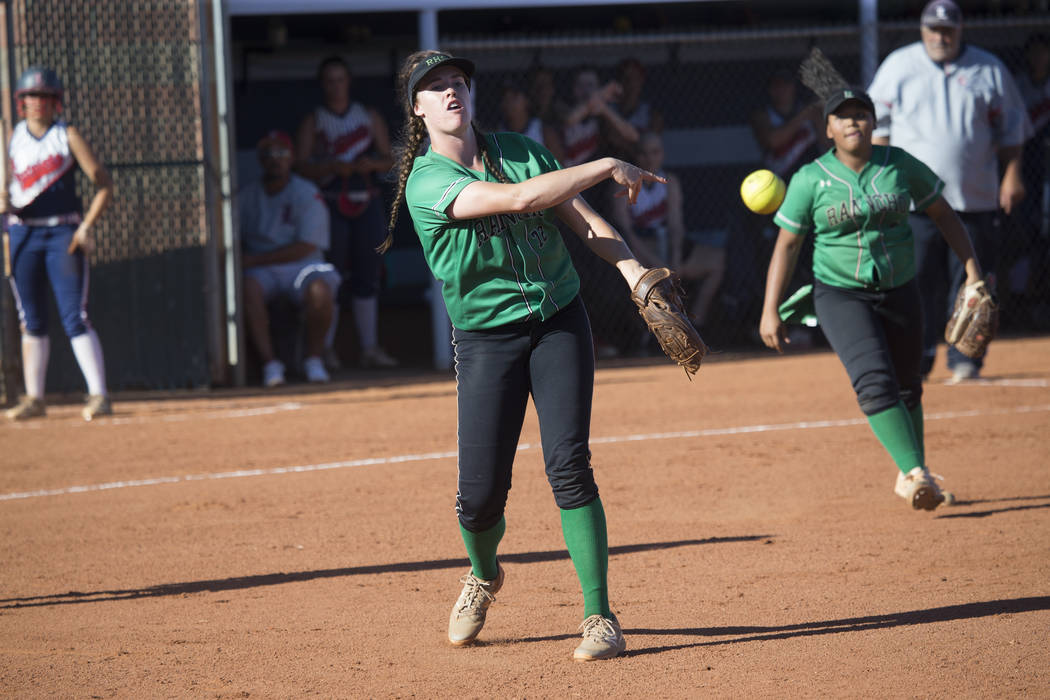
(654, 228)
(284, 233)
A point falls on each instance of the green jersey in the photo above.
(499, 269)
(861, 236)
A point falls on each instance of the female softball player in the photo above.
(484, 207)
(344, 147)
(855, 200)
(51, 239)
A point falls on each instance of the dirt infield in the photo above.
(301, 543)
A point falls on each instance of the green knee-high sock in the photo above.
(893, 428)
(920, 432)
(481, 548)
(588, 543)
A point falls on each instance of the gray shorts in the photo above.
(292, 279)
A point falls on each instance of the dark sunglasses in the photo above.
(275, 153)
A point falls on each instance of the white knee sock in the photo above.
(366, 320)
(88, 351)
(35, 351)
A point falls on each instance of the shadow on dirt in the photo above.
(994, 511)
(947, 613)
(243, 582)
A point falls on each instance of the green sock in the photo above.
(917, 426)
(893, 427)
(481, 548)
(588, 543)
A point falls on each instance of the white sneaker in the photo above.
(377, 358)
(315, 371)
(468, 614)
(964, 371)
(273, 373)
(602, 639)
(919, 488)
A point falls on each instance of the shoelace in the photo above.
(598, 628)
(475, 595)
(931, 476)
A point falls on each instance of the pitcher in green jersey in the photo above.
(485, 208)
(855, 200)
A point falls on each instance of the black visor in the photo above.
(429, 64)
(841, 97)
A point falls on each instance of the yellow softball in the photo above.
(763, 191)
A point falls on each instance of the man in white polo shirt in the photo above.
(955, 107)
(284, 233)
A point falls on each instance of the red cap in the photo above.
(275, 137)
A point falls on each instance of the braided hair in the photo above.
(409, 141)
(820, 75)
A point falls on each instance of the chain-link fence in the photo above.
(132, 76)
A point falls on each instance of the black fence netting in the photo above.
(707, 98)
(138, 87)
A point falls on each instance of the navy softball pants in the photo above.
(38, 260)
(878, 337)
(496, 371)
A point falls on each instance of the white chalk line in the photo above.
(430, 456)
(187, 416)
(181, 417)
(238, 474)
(1028, 383)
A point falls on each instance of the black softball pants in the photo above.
(940, 274)
(496, 371)
(878, 337)
(352, 249)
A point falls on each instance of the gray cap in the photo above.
(941, 13)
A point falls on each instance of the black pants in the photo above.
(878, 338)
(496, 371)
(940, 274)
(352, 249)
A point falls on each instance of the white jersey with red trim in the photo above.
(37, 164)
(344, 136)
(581, 141)
(799, 149)
(650, 209)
